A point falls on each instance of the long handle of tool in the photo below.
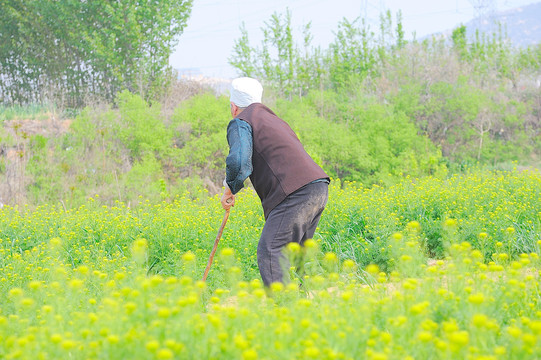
(226, 216)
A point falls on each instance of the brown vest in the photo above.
(280, 163)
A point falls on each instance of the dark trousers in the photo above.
(293, 220)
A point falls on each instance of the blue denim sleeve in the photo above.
(239, 161)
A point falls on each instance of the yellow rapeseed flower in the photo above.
(420, 308)
(311, 244)
(450, 223)
(372, 269)
(15, 292)
(113, 339)
(477, 298)
(330, 258)
(293, 247)
(34, 285)
(240, 341)
(312, 352)
(27, 302)
(188, 257)
(277, 287)
(82, 269)
(164, 354)
(459, 338)
(152, 345)
(514, 331)
(348, 266)
(164, 312)
(56, 338)
(425, 336)
(55, 243)
(405, 258)
(75, 284)
(68, 344)
(249, 354)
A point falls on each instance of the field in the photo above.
(425, 269)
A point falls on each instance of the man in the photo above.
(293, 189)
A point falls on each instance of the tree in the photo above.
(243, 57)
(352, 53)
(64, 50)
(279, 61)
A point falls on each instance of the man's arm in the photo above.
(239, 160)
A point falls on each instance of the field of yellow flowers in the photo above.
(426, 269)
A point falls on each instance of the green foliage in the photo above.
(352, 52)
(65, 50)
(364, 142)
(29, 111)
(132, 151)
(200, 125)
(463, 95)
(120, 153)
(470, 124)
(459, 39)
(45, 173)
(92, 127)
(243, 57)
(289, 69)
(278, 36)
(341, 154)
(144, 178)
(140, 127)
(371, 108)
(292, 70)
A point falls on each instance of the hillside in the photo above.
(521, 24)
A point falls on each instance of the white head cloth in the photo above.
(245, 91)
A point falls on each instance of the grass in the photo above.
(25, 112)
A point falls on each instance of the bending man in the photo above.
(293, 189)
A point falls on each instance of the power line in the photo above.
(457, 10)
(221, 27)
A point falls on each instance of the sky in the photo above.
(214, 25)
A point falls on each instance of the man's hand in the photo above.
(228, 199)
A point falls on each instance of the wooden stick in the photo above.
(226, 216)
